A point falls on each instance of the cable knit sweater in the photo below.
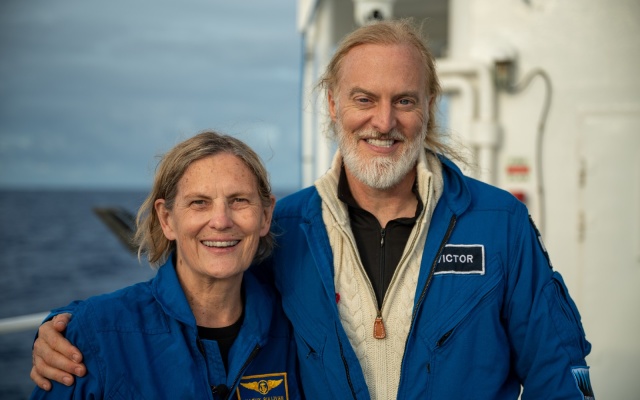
(380, 359)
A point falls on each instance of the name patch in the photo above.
(461, 259)
(264, 387)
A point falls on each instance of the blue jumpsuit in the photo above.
(141, 342)
(490, 313)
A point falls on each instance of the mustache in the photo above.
(394, 134)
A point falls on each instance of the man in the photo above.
(402, 277)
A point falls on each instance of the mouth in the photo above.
(380, 142)
(220, 244)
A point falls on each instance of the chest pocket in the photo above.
(453, 298)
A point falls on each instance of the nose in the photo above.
(384, 119)
(220, 218)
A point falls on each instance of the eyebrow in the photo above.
(359, 90)
(190, 195)
(234, 194)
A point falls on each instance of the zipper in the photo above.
(379, 331)
(404, 257)
(444, 338)
(383, 255)
(253, 355)
(372, 293)
(222, 390)
(423, 294)
(447, 235)
(447, 335)
(345, 364)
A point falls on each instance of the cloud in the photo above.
(91, 92)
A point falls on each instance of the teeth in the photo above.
(380, 142)
(210, 243)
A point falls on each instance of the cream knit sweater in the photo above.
(380, 359)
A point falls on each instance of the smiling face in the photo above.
(380, 111)
(217, 219)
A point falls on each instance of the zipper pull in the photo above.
(382, 233)
(378, 328)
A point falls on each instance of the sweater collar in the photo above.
(333, 189)
(345, 195)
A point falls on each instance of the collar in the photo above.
(258, 308)
(335, 200)
(345, 195)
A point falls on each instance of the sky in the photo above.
(92, 92)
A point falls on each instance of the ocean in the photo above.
(55, 249)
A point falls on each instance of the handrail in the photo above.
(22, 322)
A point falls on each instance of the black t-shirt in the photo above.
(225, 337)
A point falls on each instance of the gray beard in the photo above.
(379, 172)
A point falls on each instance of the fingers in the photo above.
(60, 321)
(54, 358)
(41, 372)
(51, 343)
(40, 380)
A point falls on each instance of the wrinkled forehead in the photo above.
(385, 66)
(221, 166)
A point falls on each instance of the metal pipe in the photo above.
(22, 322)
(485, 131)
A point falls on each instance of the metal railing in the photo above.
(22, 322)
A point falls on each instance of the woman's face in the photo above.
(217, 219)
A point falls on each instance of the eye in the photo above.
(406, 102)
(198, 204)
(239, 200)
(362, 101)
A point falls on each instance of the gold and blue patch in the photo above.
(264, 387)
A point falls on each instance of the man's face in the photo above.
(380, 109)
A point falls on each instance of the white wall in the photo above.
(591, 51)
(590, 216)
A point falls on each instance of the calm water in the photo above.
(54, 249)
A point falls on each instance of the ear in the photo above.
(268, 215)
(331, 103)
(166, 221)
(431, 101)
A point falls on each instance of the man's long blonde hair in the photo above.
(394, 32)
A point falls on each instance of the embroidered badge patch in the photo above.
(264, 387)
(461, 259)
(539, 236)
(581, 374)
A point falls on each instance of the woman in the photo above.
(204, 325)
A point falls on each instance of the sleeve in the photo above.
(81, 333)
(543, 322)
